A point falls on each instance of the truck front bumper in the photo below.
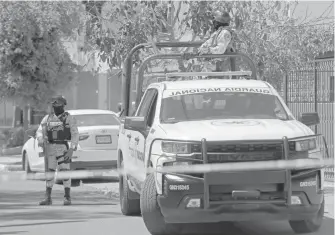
(281, 194)
(174, 203)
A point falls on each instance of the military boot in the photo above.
(67, 197)
(47, 200)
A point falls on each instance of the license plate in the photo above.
(103, 139)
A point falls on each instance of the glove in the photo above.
(68, 155)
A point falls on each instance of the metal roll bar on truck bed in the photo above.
(128, 66)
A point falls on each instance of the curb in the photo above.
(5, 168)
(11, 156)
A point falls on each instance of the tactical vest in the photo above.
(58, 131)
(230, 30)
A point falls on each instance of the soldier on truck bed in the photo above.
(219, 42)
(222, 37)
(56, 130)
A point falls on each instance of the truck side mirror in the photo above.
(135, 123)
(309, 119)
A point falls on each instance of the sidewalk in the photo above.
(6, 160)
(11, 163)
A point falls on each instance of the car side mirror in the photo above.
(309, 119)
(135, 123)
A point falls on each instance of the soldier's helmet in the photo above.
(222, 17)
(58, 100)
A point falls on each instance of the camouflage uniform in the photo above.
(56, 152)
(219, 42)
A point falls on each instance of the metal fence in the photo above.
(311, 89)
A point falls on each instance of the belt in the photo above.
(60, 142)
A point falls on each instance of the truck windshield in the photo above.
(221, 105)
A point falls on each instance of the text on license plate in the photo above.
(103, 139)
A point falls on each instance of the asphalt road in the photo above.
(94, 213)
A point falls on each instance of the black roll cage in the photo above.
(128, 66)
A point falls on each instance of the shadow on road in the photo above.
(23, 206)
(101, 180)
(35, 224)
(216, 228)
(15, 232)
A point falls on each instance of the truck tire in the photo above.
(128, 206)
(151, 213)
(309, 226)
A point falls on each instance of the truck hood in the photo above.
(236, 129)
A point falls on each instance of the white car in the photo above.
(97, 148)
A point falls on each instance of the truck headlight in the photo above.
(303, 145)
(176, 147)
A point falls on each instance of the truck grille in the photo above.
(241, 152)
(244, 157)
(236, 148)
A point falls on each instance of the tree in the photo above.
(267, 31)
(34, 63)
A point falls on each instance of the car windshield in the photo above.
(180, 106)
(96, 120)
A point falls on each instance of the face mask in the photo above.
(58, 110)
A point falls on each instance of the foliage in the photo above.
(275, 40)
(133, 23)
(15, 136)
(33, 61)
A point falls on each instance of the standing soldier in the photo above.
(220, 41)
(56, 130)
(222, 37)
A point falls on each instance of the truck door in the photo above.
(146, 109)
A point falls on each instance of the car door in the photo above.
(140, 138)
(33, 150)
(38, 154)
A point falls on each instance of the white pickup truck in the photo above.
(217, 121)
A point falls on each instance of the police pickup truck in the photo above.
(187, 123)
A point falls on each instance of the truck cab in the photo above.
(190, 123)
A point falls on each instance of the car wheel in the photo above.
(151, 213)
(309, 226)
(128, 206)
(25, 163)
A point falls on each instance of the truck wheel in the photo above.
(151, 213)
(309, 226)
(128, 206)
